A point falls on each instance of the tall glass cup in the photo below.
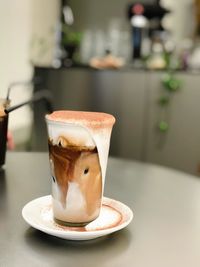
(78, 152)
(4, 103)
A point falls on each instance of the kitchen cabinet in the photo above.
(132, 97)
(179, 146)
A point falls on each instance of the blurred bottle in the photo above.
(119, 39)
(93, 44)
(139, 25)
(99, 43)
(185, 53)
(157, 58)
(86, 47)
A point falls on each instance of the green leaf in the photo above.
(163, 126)
(164, 100)
(70, 37)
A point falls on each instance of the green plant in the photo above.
(70, 37)
(170, 85)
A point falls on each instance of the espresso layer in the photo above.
(76, 172)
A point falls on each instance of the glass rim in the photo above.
(89, 119)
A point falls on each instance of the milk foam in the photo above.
(69, 131)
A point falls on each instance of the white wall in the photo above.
(45, 31)
(20, 20)
(14, 55)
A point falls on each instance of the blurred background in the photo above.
(139, 60)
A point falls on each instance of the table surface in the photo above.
(165, 230)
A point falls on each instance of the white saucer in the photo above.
(113, 217)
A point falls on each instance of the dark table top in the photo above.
(164, 232)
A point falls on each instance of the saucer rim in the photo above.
(74, 234)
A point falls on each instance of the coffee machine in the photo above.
(145, 19)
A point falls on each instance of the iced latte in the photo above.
(78, 151)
